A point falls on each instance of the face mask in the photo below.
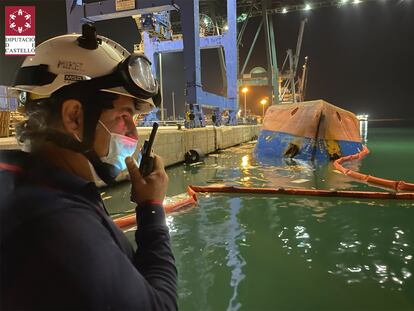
(120, 147)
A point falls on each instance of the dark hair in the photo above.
(45, 113)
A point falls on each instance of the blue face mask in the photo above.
(120, 147)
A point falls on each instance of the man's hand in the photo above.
(149, 188)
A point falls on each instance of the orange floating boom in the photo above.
(130, 220)
(387, 183)
(304, 192)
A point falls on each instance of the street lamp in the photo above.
(263, 102)
(245, 90)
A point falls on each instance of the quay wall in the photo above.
(172, 144)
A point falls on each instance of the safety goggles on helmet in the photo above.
(134, 74)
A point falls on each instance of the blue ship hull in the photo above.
(272, 144)
(314, 130)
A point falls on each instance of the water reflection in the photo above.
(171, 225)
(223, 240)
(234, 259)
(245, 161)
(237, 166)
(294, 173)
(355, 240)
(117, 199)
(363, 130)
(206, 243)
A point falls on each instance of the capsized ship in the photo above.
(312, 130)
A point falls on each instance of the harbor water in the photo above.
(261, 252)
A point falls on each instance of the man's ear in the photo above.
(72, 117)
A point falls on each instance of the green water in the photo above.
(392, 153)
(245, 252)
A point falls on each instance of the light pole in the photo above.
(263, 102)
(173, 104)
(245, 90)
(161, 86)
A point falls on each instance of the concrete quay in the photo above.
(172, 144)
(8, 143)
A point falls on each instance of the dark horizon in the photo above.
(359, 55)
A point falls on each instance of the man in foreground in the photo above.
(59, 248)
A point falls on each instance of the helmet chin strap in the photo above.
(105, 171)
(92, 111)
(92, 107)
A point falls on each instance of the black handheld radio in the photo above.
(147, 161)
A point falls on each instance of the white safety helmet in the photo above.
(89, 61)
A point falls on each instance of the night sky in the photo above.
(361, 56)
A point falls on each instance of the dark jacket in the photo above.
(61, 251)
